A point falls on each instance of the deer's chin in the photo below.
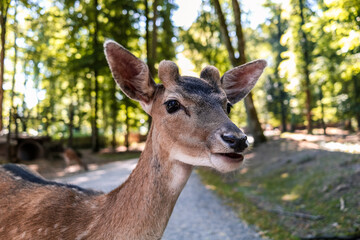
(226, 162)
(222, 162)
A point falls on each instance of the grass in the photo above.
(323, 184)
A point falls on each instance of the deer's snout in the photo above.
(239, 144)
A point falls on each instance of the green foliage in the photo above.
(202, 42)
(332, 67)
(61, 54)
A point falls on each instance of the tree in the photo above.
(202, 41)
(277, 98)
(95, 104)
(253, 121)
(304, 42)
(4, 7)
(336, 54)
(298, 60)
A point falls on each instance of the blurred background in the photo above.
(303, 117)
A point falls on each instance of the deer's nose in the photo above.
(239, 144)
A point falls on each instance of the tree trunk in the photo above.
(113, 116)
(127, 123)
(154, 38)
(239, 32)
(147, 33)
(282, 107)
(151, 46)
(12, 107)
(4, 6)
(15, 60)
(278, 61)
(105, 117)
(356, 80)
(95, 130)
(8, 138)
(322, 110)
(71, 125)
(255, 126)
(306, 55)
(253, 121)
(225, 32)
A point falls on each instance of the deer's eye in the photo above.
(228, 107)
(172, 106)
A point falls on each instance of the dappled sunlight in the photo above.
(210, 187)
(335, 140)
(34, 167)
(72, 168)
(290, 197)
(284, 175)
(341, 147)
(82, 179)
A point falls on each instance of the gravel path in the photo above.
(198, 214)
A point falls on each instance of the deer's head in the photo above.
(190, 115)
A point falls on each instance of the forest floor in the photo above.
(297, 186)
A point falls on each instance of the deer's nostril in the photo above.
(228, 138)
(238, 144)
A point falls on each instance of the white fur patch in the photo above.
(211, 160)
(204, 160)
(179, 176)
(222, 165)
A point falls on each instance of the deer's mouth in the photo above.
(232, 157)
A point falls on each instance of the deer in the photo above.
(190, 127)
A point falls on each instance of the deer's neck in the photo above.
(142, 206)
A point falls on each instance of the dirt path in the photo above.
(198, 214)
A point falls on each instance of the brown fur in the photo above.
(63, 213)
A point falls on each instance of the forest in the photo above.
(55, 81)
(302, 117)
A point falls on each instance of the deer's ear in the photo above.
(239, 81)
(130, 73)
